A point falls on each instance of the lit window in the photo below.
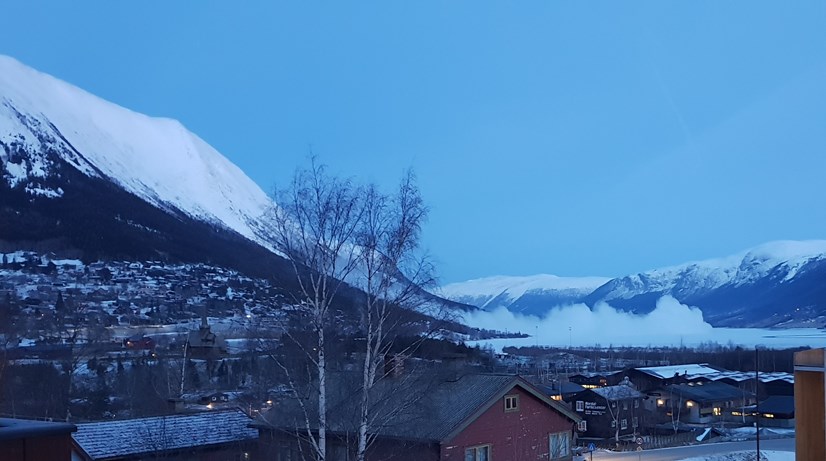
(689, 404)
(511, 403)
(768, 415)
(580, 405)
(717, 411)
(480, 453)
(660, 402)
(560, 445)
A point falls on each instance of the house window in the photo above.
(560, 445)
(636, 403)
(480, 453)
(286, 451)
(636, 422)
(717, 411)
(624, 424)
(583, 426)
(511, 403)
(580, 405)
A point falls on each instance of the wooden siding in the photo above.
(810, 404)
(49, 448)
(521, 435)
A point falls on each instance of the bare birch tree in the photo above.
(392, 275)
(314, 223)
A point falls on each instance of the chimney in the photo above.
(175, 405)
(454, 365)
(394, 365)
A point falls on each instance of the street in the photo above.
(678, 453)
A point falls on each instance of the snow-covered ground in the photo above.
(747, 456)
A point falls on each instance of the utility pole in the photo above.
(757, 397)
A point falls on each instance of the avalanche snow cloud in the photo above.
(669, 324)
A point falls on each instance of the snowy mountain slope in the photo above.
(740, 269)
(780, 283)
(84, 177)
(156, 159)
(533, 294)
(777, 283)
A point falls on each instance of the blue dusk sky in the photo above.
(572, 138)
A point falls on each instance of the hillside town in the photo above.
(81, 341)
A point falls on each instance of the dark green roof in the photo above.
(712, 391)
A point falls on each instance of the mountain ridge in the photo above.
(156, 159)
(777, 283)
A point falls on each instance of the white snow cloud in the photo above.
(669, 324)
(604, 324)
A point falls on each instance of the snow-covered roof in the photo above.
(694, 371)
(112, 439)
(741, 376)
(669, 371)
(618, 392)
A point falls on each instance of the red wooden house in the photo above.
(475, 417)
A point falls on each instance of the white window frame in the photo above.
(476, 450)
(514, 406)
(559, 445)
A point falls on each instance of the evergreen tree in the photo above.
(59, 305)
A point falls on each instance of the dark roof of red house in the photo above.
(412, 406)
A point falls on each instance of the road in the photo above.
(678, 453)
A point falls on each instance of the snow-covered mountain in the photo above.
(45, 122)
(779, 283)
(81, 176)
(528, 295)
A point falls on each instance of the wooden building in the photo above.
(611, 412)
(474, 417)
(810, 404)
(25, 440)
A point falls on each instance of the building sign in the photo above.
(595, 409)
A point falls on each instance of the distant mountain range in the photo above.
(532, 295)
(82, 176)
(777, 284)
